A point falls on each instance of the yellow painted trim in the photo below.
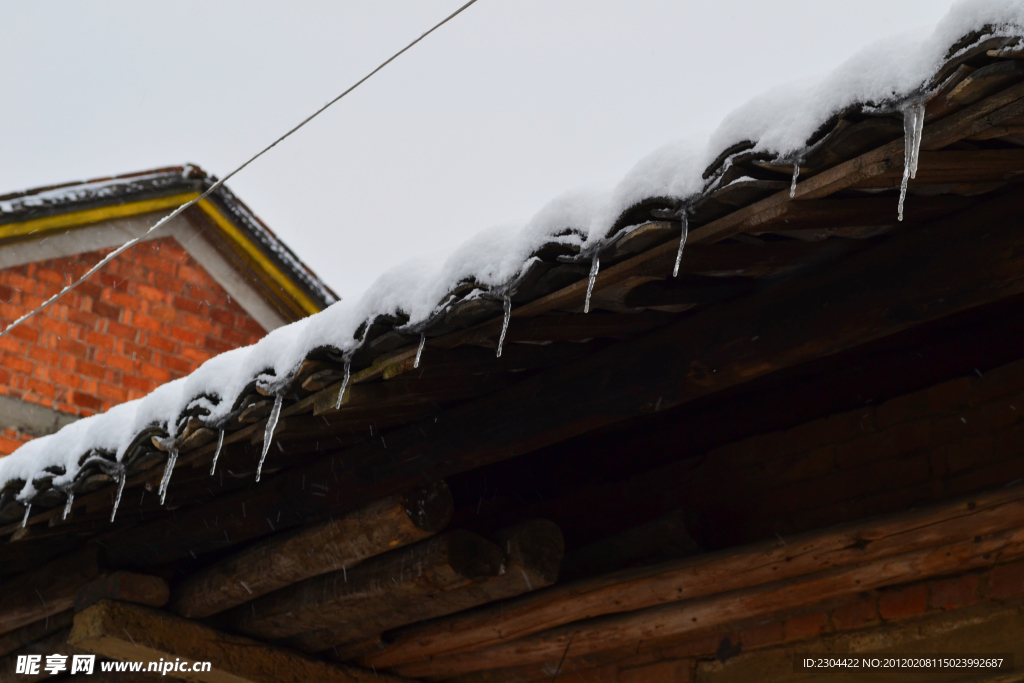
(232, 232)
(86, 216)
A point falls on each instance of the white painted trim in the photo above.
(117, 231)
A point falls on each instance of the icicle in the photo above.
(268, 434)
(172, 459)
(24, 520)
(594, 267)
(121, 477)
(504, 324)
(682, 242)
(216, 453)
(344, 384)
(68, 504)
(419, 351)
(913, 128)
(796, 174)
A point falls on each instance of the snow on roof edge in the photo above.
(887, 74)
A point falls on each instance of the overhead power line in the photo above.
(130, 243)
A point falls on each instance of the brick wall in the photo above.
(151, 315)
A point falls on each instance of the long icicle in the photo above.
(419, 351)
(268, 434)
(165, 481)
(121, 477)
(216, 453)
(595, 265)
(913, 128)
(24, 520)
(344, 385)
(682, 242)
(796, 174)
(67, 505)
(507, 302)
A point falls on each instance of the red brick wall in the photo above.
(151, 315)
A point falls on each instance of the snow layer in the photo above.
(886, 75)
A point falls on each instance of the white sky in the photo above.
(481, 124)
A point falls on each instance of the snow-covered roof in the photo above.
(45, 202)
(425, 299)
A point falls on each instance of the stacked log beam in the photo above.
(689, 596)
(336, 545)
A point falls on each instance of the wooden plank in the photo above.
(992, 111)
(986, 628)
(373, 588)
(678, 619)
(958, 167)
(944, 269)
(53, 644)
(131, 633)
(288, 558)
(694, 578)
(817, 214)
(533, 553)
(18, 638)
(46, 591)
(138, 589)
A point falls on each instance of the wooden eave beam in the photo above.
(131, 633)
(999, 109)
(680, 598)
(942, 269)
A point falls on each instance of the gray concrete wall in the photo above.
(31, 418)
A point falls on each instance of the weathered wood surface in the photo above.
(131, 633)
(662, 539)
(954, 168)
(138, 589)
(373, 588)
(987, 628)
(291, 557)
(944, 269)
(47, 591)
(693, 616)
(693, 579)
(533, 552)
(9, 642)
(53, 644)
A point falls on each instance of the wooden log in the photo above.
(374, 587)
(138, 589)
(678, 619)
(533, 553)
(291, 557)
(132, 633)
(53, 644)
(660, 539)
(18, 638)
(46, 591)
(695, 578)
(988, 627)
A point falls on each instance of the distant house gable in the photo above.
(213, 279)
